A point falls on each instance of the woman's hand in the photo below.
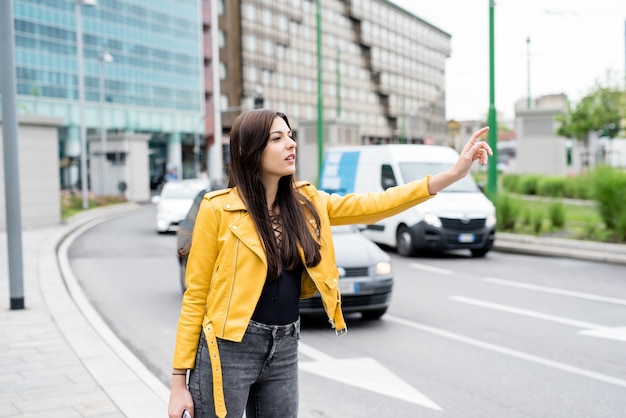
(180, 399)
(474, 149)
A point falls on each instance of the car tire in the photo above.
(374, 314)
(480, 252)
(183, 270)
(404, 241)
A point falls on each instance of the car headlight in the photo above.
(383, 268)
(432, 220)
(491, 220)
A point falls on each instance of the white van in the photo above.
(459, 217)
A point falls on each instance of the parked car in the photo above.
(174, 201)
(365, 273)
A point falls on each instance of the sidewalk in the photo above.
(59, 359)
(55, 357)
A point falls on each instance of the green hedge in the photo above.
(609, 187)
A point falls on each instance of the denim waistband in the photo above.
(275, 330)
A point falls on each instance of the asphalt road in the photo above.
(504, 336)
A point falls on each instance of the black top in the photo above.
(280, 300)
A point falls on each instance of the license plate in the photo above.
(466, 238)
(347, 288)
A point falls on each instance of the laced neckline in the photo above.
(276, 226)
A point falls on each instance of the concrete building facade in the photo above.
(382, 68)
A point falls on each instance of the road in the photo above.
(504, 336)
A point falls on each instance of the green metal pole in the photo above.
(320, 95)
(492, 188)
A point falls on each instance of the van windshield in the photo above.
(415, 171)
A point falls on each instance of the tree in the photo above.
(600, 112)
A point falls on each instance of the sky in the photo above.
(574, 44)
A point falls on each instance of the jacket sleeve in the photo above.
(200, 265)
(368, 208)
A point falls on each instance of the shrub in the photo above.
(557, 214)
(510, 182)
(528, 184)
(506, 212)
(610, 193)
(537, 221)
(552, 186)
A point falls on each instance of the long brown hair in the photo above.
(248, 138)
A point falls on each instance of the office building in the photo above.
(148, 70)
(383, 68)
(143, 74)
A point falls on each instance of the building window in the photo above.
(266, 77)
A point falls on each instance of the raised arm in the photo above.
(475, 149)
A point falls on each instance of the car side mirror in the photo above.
(387, 183)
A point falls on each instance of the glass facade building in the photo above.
(154, 83)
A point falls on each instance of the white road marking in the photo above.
(591, 330)
(509, 352)
(526, 312)
(430, 268)
(556, 291)
(618, 334)
(365, 373)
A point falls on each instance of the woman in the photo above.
(257, 248)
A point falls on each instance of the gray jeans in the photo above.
(259, 374)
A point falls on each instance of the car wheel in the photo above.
(183, 270)
(480, 252)
(374, 314)
(404, 241)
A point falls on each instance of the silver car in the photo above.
(365, 273)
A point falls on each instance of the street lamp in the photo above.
(81, 97)
(105, 57)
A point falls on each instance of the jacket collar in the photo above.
(234, 201)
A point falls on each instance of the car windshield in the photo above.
(415, 171)
(179, 192)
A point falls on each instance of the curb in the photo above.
(123, 377)
(560, 247)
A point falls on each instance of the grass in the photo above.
(72, 202)
(582, 219)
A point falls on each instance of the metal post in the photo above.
(11, 166)
(84, 177)
(493, 127)
(320, 95)
(528, 71)
(104, 58)
(215, 158)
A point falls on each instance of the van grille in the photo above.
(459, 225)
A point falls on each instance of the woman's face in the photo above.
(279, 156)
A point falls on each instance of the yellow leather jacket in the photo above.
(227, 264)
